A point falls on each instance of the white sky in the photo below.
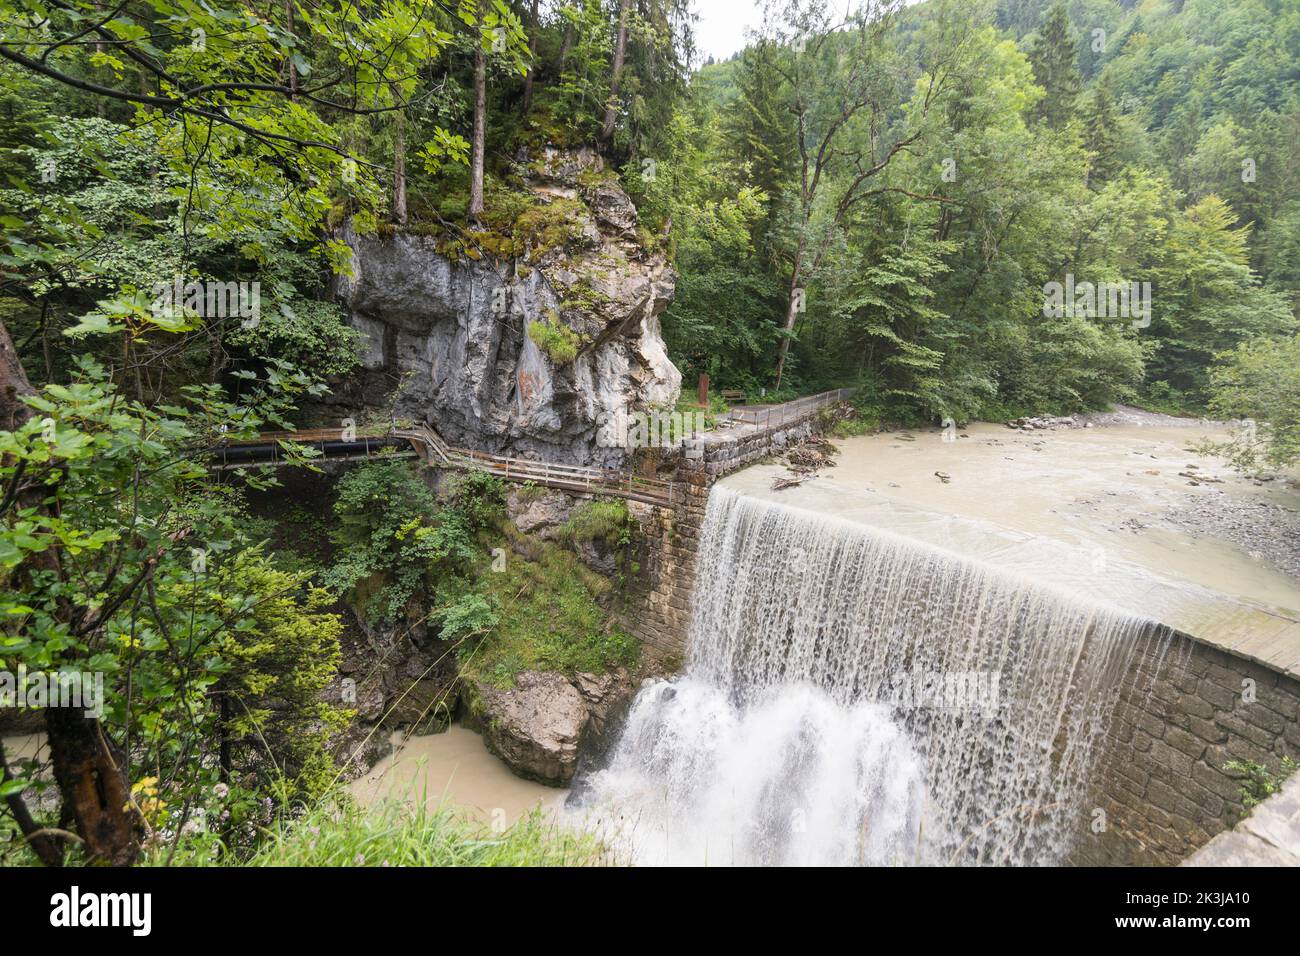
(720, 30)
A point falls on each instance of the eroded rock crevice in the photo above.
(450, 337)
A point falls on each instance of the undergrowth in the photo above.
(338, 832)
(548, 619)
(606, 521)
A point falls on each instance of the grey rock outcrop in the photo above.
(541, 514)
(544, 517)
(535, 727)
(605, 695)
(392, 677)
(540, 726)
(450, 339)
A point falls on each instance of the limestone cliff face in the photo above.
(448, 340)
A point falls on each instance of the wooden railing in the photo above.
(424, 436)
(768, 416)
(340, 444)
(624, 484)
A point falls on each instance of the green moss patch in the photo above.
(549, 619)
(606, 521)
(558, 341)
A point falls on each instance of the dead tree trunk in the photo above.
(534, 26)
(91, 773)
(480, 133)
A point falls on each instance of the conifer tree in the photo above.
(762, 120)
(1055, 60)
(1101, 134)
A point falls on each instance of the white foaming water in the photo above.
(853, 696)
(696, 779)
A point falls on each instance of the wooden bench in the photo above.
(733, 395)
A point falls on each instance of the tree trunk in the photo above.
(399, 170)
(291, 25)
(101, 108)
(791, 316)
(13, 385)
(480, 133)
(45, 846)
(91, 774)
(792, 302)
(620, 52)
(534, 26)
(13, 413)
(217, 355)
(567, 46)
(225, 752)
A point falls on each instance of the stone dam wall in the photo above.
(1186, 710)
(659, 595)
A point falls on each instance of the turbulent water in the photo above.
(852, 696)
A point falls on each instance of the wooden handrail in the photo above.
(429, 445)
(788, 411)
(432, 447)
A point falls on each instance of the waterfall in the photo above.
(854, 696)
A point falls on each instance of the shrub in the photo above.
(396, 543)
(558, 341)
(480, 497)
(606, 521)
(1258, 782)
(547, 619)
(1260, 380)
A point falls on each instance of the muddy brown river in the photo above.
(455, 768)
(1128, 515)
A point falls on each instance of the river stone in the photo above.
(446, 342)
(535, 727)
(605, 695)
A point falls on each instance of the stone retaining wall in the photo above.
(659, 594)
(1189, 709)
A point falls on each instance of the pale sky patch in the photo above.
(720, 30)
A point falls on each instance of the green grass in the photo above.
(854, 426)
(687, 405)
(558, 341)
(598, 520)
(530, 491)
(549, 620)
(1170, 405)
(338, 832)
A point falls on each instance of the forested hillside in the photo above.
(954, 163)
(881, 201)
